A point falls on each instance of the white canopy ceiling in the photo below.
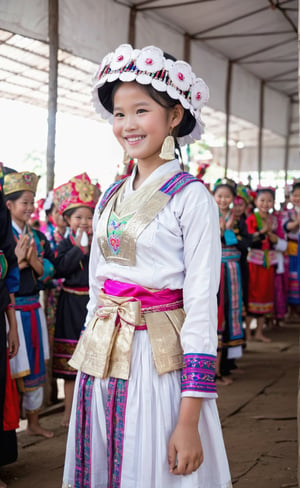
(258, 36)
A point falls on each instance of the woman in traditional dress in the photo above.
(144, 411)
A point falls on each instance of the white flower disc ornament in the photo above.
(150, 59)
(121, 57)
(181, 75)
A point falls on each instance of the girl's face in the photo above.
(81, 218)
(22, 208)
(239, 206)
(140, 124)
(224, 198)
(264, 202)
(295, 197)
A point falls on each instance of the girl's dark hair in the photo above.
(68, 213)
(49, 210)
(13, 196)
(266, 190)
(296, 186)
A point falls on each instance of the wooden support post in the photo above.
(287, 139)
(187, 48)
(227, 109)
(260, 128)
(52, 94)
(132, 25)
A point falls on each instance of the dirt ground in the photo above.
(258, 413)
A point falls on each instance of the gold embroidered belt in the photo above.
(104, 348)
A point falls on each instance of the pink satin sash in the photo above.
(151, 300)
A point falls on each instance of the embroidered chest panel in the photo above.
(123, 218)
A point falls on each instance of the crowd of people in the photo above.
(160, 237)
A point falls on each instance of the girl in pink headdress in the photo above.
(75, 201)
(144, 411)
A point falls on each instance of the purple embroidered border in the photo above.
(177, 182)
(198, 373)
(109, 192)
(83, 432)
(115, 426)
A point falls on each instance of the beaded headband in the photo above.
(24, 181)
(149, 66)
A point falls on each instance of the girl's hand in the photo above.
(230, 222)
(32, 255)
(13, 341)
(273, 237)
(85, 249)
(222, 225)
(33, 259)
(22, 248)
(78, 237)
(12, 336)
(265, 228)
(185, 453)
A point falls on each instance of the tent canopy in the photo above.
(257, 39)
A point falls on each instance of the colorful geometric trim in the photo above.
(177, 182)
(260, 308)
(83, 432)
(108, 194)
(233, 283)
(115, 426)
(63, 350)
(199, 373)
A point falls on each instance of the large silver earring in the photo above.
(168, 149)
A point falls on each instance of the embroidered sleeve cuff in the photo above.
(198, 373)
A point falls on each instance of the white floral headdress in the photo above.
(149, 66)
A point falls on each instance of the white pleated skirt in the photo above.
(151, 415)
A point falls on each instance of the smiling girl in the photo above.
(144, 412)
(262, 259)
(35, 261)
(75, 201)
(235, 240)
